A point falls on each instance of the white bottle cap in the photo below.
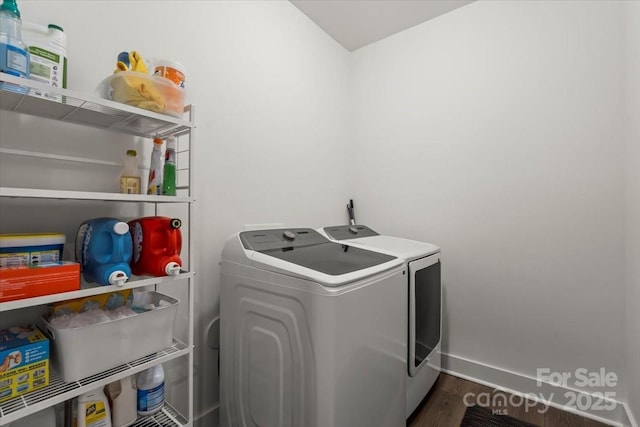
(121, 228)
(172, 269)
(118, 278)
(171, 142)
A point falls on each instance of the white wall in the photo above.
(494, 131)
(632, 118)
(270, 93)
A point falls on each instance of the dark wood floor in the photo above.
(445, 407)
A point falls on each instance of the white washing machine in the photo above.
(424, 290)
(312, 332)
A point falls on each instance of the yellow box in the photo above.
(24, 361)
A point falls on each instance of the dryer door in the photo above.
(425, 305)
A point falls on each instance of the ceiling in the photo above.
(356, 23)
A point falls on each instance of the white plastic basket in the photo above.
(77, 353)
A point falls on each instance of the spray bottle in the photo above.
(155, 171)
(169, 176)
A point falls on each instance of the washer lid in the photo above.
(307, 248)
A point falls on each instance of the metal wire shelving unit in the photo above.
(35, 99)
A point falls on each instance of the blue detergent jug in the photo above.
(104, 249)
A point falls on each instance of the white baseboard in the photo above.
(548, 393)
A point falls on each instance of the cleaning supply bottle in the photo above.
(122, 397)
(93, 409)
(169, 176)
(104, 250)
(150, 385)
(14, 58)
(155, 171)
(157, 242)
(47, 47)
(130, 178)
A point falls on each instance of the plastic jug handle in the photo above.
(173, 243)
(119, 229)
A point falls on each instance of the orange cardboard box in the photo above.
(26, 282)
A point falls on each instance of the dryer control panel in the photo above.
(348, 232)
(264, 240)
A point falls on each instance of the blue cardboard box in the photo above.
(24, 360)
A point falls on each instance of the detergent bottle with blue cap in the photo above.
(104, 249)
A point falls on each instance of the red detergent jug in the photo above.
(157, 242)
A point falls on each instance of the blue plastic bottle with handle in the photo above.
(14, 57)
(104, 249)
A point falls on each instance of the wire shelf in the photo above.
(59, 391)
(37, 99)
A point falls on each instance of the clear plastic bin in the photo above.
(146, 91)
(77, 353)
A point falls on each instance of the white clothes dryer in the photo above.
(424, 292)
(312, 333)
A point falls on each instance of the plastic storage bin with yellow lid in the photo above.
(31, 249)
(145, 91)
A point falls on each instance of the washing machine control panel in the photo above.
(344, 232)
(263, 240)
